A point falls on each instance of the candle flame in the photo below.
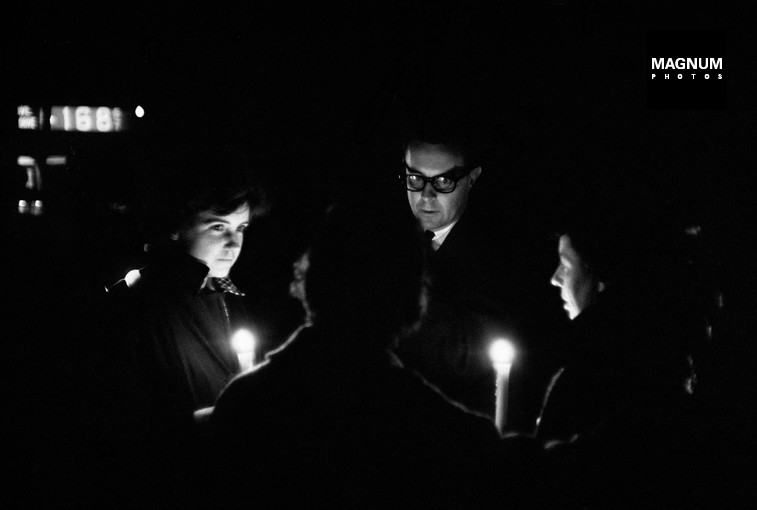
(243, 341)
(501, 352)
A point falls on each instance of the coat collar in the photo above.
(180, 269)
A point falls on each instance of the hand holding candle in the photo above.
(502, 353)
(244, 343)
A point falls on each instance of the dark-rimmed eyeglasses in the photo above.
(442, 183)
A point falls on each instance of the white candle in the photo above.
(243, 343)
(502, 353)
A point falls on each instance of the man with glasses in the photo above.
(438, 173)
(438, 184)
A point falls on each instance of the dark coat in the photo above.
(179, 334)
(468, 308)
(329, 422)
(171, 343)
(622, 406)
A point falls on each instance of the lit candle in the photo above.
(244, 343)
(502, 353)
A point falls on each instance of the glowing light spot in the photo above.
(139, 112)
(36, 208)
(26, 161)
(132, 277)
(501, 352)
(56, 160)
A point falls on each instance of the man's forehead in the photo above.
(432, 159)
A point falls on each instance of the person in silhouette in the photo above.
(333, 417)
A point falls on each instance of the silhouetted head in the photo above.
(364, 271)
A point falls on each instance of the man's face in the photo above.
(436, 210)
(215, 240)
(578, 286)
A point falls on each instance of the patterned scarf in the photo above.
(224, 284)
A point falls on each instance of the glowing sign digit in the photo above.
(83, 118)
(104, 122)
(68, 119)
(117, 118)
(102, 119)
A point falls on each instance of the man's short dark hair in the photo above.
(456, 133)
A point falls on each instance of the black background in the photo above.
(318, 95)
(556, 91)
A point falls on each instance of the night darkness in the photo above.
(554, 91)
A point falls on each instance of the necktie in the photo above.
(428, 237)
(226, 285)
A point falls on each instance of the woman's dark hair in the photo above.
(191, 178)
(618, 240)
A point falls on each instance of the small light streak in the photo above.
(56, 160)
(118, 207)
(693, 230)
(26, 161)
(243, 343)
(139, 112)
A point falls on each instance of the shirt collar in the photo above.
(441, 235)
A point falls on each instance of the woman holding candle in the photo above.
(174, 318)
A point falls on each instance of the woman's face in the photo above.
(579, 287)
(216, 240)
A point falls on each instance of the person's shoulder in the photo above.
(425, 398)
(247, 387)
(247, 398)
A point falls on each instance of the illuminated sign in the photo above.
(28, 118)
(83, 119)
(100, 119)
